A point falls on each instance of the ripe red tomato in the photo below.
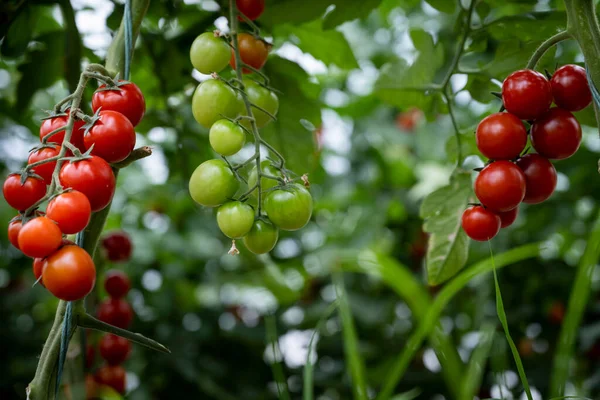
(480, 223)
(116, 312)
(90, 355)
(38, 267)
(14, 227)
(69, 273)
(408, 120)
(570, 88)
(39, 237)
(114, 349)
(117, 246)
(526, 94)
(127, 99)
(508, 217)
(116, 283)
(556, 134)
(21, 197)
(540, 176)
(53, 123)
(500, 186)
(253, 52)
(93, 177)
(252, 9)
(556, 313)
(501, 136)
(44, 170)
(112, 136)
(71, 211)
(113, 376)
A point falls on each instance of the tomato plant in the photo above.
(69, 273)
(290, 207)
(252, 9)
(480, 223)
(115, 312)
(117, 246)
(213, 100)
(235, 219)
(570, 88)
(116, 283)
(266, 183)
(52, 124)
(91, 176)
(114, 349)
(556, 134)
(540, 177)
(253, 52)
(111, 135)
(226, 137)
(14, 227)
(213, 183)
(39, 237)
(501, 136)
(262, 237)
(508, 217)
(500, 186)
(113, 376)
(21, 196)
(209, 53)
(71, 211)
(126, 98)
(44, 170)
(265, 99)
(526, 94)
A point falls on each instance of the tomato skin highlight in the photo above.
(290, 207)
(113, 376)
(508, 217)
(570, 88)
(252, 9)
(14, 227)
(114, 349)
(69, 273)
(480, 223)
(71, 211)
(21, 197)
(117, 246)
(44, 170)
(540, 176)
(500, 186)
(235, 219)
(39, 237)
(51, 124)
(93, 177)
(526, 94)
(253, 52)
(213, 183)
(116, 283)
(209, 53)
(262, 238)
(116, 312)
(501, 136)
(112, 136)
(556, 134)
(127, 100)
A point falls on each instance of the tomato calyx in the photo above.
(115, 85)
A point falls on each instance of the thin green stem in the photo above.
(41, 162)
(271, 327)
(459, 154)
(545, 46)
(54, 132)
(461, 45)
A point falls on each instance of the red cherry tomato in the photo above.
(556, 134)
(93, 177)
(39, 237)
(501, 136)
(38, 267)
(69, 273)
(127, 99)
(71, 211)
(540, 176)
(53, 123)
(44, 170)
(113, 376)
(570, 88)
(114, 349)
(116, 312)
(112, 136)
(252, 9)
(116, 283)
(500, 186)
(117, 246)
(253, 51)
(480, 223)
(508, 217)
(526, 94)
(21, 197)
(14, 227)
(408, 120)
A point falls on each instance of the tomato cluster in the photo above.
(511, 177)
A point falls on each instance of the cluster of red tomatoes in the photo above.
(84, 183)
(114, 349)
(218, 106)
(511, 178)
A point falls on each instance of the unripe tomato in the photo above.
(127, 99)
(117, 246)
(480, 223)
(508, 217)
(570, 88)
(116, 312)
(262, 237)
(14, 227)
(71, 211)
(265, 183)
(209, 53)
(116, 283)
(113, 376)
(290, 207)
(51, 124)
(44, 170)
(112, 136)
(526, 94)
(540, 176)
(226, 137)
(39, 237)
(21, 197)
(213, 183)
(69, 273)
(501, 136)
(556, 134)
(91, 176)
(114, 349)
(500, 186)
(263, 98)
(252, 9)
(235, 219)
(214, 100)
(253, 52)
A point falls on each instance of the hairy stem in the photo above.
(545, 46)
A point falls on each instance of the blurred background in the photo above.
(373, 150)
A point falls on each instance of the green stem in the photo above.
(459, 154)
(545, 46)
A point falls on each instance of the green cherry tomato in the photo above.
(262, 237)
(213, 183)
(209, 53)
(263, 98)
(290, 207)
(226, 137)
(213, 100)
(265, 183)
(235, 219)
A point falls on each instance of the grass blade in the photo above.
(273, 338)
(476, 367)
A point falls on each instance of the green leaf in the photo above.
(512, 55)
(448, 247)
(293, 11)
(445, 6)
(410, 395)
(19, 33)
(347, 10)
(528, 26)
(476, 367)
(468, 146)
